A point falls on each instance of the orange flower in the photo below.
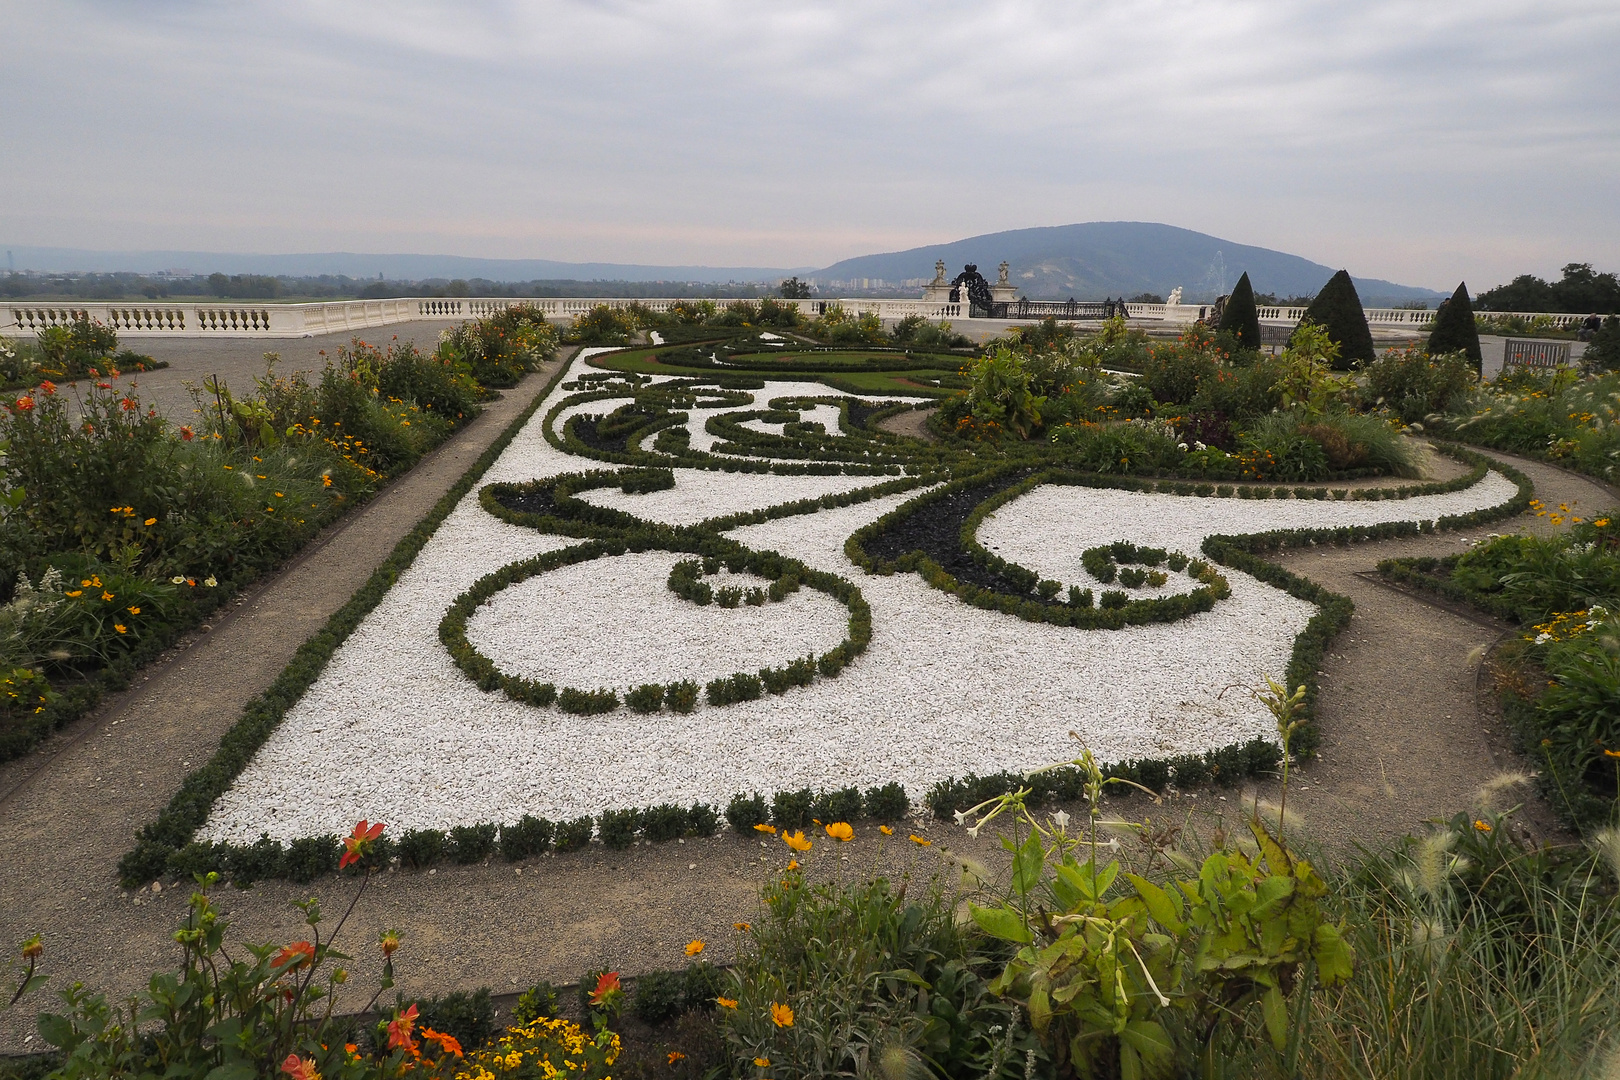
(763, 1062)
(24, 403)
(919, 841)
(676, 1055)
(841, 831)
(187, 434)
(1482, 825)
(447, 1043)
(885, 830)
(796, 841)
(781, 1015)
(741, 927)
(151, 521)
(1611, 753)
(48, 386)
(135, 611)
(294, 956)
(765, 828)
(106, 595)
(400, 1030)
(726, 1003)
(388, 942)
(693, 948)
(607, 986)
(120, 627)
(793, 864)
(357, 845)
(300, 1068)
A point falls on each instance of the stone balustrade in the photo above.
(153, 319)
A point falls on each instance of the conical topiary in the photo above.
(1454, 329)
(1241, 316)
(1338, 308)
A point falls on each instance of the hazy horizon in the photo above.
(1422, 145)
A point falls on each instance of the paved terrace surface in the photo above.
(238, 361)
(1404, 739)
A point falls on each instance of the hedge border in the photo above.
(186, 812)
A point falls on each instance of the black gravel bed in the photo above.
(936, 530)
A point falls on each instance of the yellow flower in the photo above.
(741, 927)
(1482, 826)
(840, 831)
(781, 1015)
(1611, 753)
(134, 611)
(793, 864)
(915, 839)
(75, 592)
(796, 841)
(151, 521)
(885, 830)
(105, 595)
(763, 1063)
(121, 628)
(766, 828)
(693, 948)
(726, 1003)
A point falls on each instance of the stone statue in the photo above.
(1175, 295)
(1002, 280)
(939, 273)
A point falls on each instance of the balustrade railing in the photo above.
(309, 320)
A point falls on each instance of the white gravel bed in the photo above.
(1047, 529)
(535, 628)
(700, 494)
(392, 731)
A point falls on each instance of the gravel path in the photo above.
(1402, 741)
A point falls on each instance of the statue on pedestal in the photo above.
(1175, 296)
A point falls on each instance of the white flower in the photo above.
(209, 581)
(1181, 446)
(1199, 446)
(1061, 819)
(178, 579)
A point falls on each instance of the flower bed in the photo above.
(579, 593)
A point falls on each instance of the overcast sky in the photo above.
(1422, 142)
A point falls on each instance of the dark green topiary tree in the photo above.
(1454, 329)
(1338, 308)
(1241, 316)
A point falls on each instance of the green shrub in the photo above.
(659, 996)
(471, 843)
(252, 862)
(681, 696)
(421, 847)
(575, 834)
(1240, 317)
(587, 702)
(888, 802)
(702, 820)
(309, 857)
(647, 698)
(664, 822)
(1454, 328)
(469, 1018)
(618, 828)
(842, 804)
(1414, 384)
(743, 812)
(792, 809)
(525, 838)
(1338, 308)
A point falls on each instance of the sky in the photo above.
(1423, 143)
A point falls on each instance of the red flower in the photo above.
(129, 406)
(24, 403)
(295, 955)
(399, 1031)
(48, 386)
(300, 1068)
(358, 845)
(607, 984)
(187, 434)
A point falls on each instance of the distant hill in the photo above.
(1101, 259)
(392, 267)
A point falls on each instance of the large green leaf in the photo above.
(1001, 922)
(1275, 1010)
(1163, 906)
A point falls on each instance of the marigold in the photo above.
(796, 841)
(763, 1062)
(793, 864)
(915, 839)
(726, 1003)
(765, 828)
(781, 1015)
(121, 628)
(135, 610)
(694, 947)
(885, 830)
(841, 831)
(151, 521)
(447, 1043)
(1482, 825)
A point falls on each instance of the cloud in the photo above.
(1421, 143)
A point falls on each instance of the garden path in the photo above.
(1403, 740)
